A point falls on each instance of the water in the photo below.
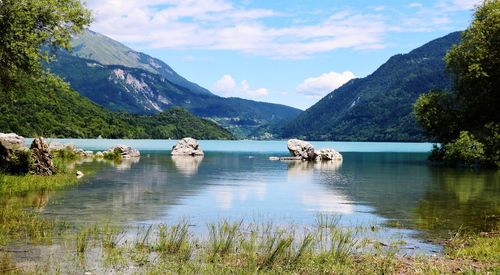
(380, 184)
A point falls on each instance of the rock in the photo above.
(88, 154)
(79, 174)
(42, 159)
(302, 149)
(125, 151)
(14, 157)
(327, 154)
(57, 146)
(99, 155)
(187, 147)
(11, 141)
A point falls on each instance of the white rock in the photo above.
(302, 149)
(12, 141)
(327, 154)
(187, 147)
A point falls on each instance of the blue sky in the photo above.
(284, 51)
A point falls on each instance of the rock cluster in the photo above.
(125, 151)
(305, 151)
(187, 147)
(42, 159)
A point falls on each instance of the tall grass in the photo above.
(222, 238)
(174, 240)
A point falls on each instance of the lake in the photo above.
(389, 186)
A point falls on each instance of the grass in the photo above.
(238, 248)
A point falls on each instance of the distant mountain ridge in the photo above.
(378, 107)
(121, 79)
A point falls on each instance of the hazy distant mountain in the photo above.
(121, 79)
(378, 107)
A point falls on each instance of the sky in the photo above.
(292, 52)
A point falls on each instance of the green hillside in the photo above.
(120, 79)
(378, 107)
(48, 107)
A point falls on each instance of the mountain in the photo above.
(121, 79)
(47, 106)
(378, 107)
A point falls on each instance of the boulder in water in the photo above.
(302, 149)
(187, 147)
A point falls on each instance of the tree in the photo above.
(26, 25)
(467, 121)
(475, 63)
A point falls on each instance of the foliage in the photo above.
(18, 162)
(467, 121)
(475, 63)
(378, 107)
(435, 112)
(466, 149)
(26, 24)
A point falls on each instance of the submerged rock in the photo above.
(41, 158)
(302, 149)
(187, 147)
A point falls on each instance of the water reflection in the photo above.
(365, 187)
(187, 165)
(460, 199)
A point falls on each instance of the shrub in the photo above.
(466, 150)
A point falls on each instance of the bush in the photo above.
(466, 150)
(18, 162)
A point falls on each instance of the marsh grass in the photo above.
(237, 248)
(174, 240)
(222, 238)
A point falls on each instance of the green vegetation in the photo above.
(466, 122)
(46, 106)
(34, 102)
(137, 83)
(256, 248)
(378, 107)
(25, 25)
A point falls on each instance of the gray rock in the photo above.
(57, 146)
(11, 141)
(126, 151)
(42, 159)
(302, 149)
(327, 154)
(187, 147)
(99, 155)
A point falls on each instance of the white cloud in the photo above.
(457, 5)
(415, 5)
(323, 84)
(219, 24)
(224, 25)
(226, 86)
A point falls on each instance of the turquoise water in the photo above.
(387, 185)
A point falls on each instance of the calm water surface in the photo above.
(382, 184)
